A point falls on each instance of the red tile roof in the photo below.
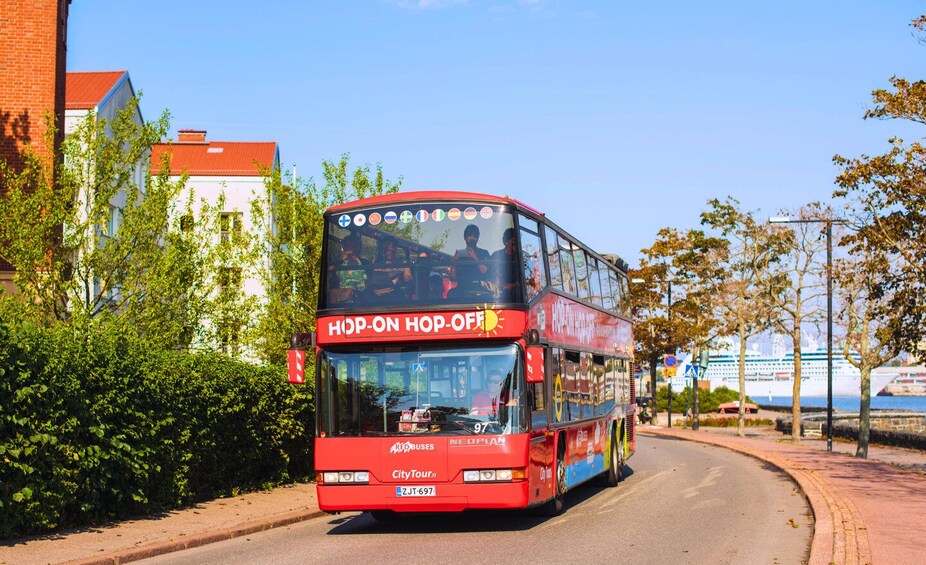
(85, 90)
(215, 158)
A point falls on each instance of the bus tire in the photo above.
(610, 476)
(555, 506)
(615, 472)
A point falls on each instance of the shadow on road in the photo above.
(466, 521)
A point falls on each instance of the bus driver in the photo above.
(486, 402)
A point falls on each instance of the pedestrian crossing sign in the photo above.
(691, 371)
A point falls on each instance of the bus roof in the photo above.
(430, 196)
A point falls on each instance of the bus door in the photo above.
(542, 455)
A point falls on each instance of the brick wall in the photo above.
(33, 35)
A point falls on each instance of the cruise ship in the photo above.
(773, 375)
(910, 381)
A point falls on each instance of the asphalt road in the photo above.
(680, 502)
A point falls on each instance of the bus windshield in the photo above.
(425, 254)
(421, 391)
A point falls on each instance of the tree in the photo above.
(652, 328)
(294, 245)
(795, 300)
(884, 289)
(92, 244)
(743, 304)
(700, 268)
(869, 332)
(685, 260)
(889, 194)
(174, 303)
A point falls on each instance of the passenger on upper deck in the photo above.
(471, 268)
(348, 282)
(391, 276)
(505, 261)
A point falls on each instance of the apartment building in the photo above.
(231, 172)
(99, 95)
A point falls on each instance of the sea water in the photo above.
(848, 404)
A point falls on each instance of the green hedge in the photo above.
(723, 421)
(707, 401)
(95, 425)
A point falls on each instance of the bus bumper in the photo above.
(448, 497)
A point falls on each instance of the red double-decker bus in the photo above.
(469, 354)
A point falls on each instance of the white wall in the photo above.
(239, 192)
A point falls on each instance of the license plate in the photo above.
(414, 491)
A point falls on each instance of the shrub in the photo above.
(729, 421)
(95, 425)
(708, 401)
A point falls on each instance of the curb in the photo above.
(839, 534)
(162, 547)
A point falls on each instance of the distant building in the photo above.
(100, 95)
(33, 36)
(100, 92)
(232, 168)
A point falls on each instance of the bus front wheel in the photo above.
(617, 460)
(555, 506)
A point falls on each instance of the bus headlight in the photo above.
(345, 477)
(492, 475)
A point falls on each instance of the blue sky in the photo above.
(614, 118)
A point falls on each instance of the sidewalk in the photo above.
(865, 511)
(132, 540)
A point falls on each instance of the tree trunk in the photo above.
(864, 413)
(796, 389)
(695, 389)
(741, 426)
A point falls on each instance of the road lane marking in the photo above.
(625, 493)
(708, 481)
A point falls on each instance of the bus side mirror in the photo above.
(535, 364)
(295, 356)
(301, 341)
(532, 337)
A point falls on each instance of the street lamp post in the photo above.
(669, 380)
(829, 316)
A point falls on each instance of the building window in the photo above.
(229, 341)
(229, 278)
(110, 225)
(229, 226)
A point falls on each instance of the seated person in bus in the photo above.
(390, 277)
(471, 268)
(436, 286)
(349, 282)
(505, 264)
(489, 400)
